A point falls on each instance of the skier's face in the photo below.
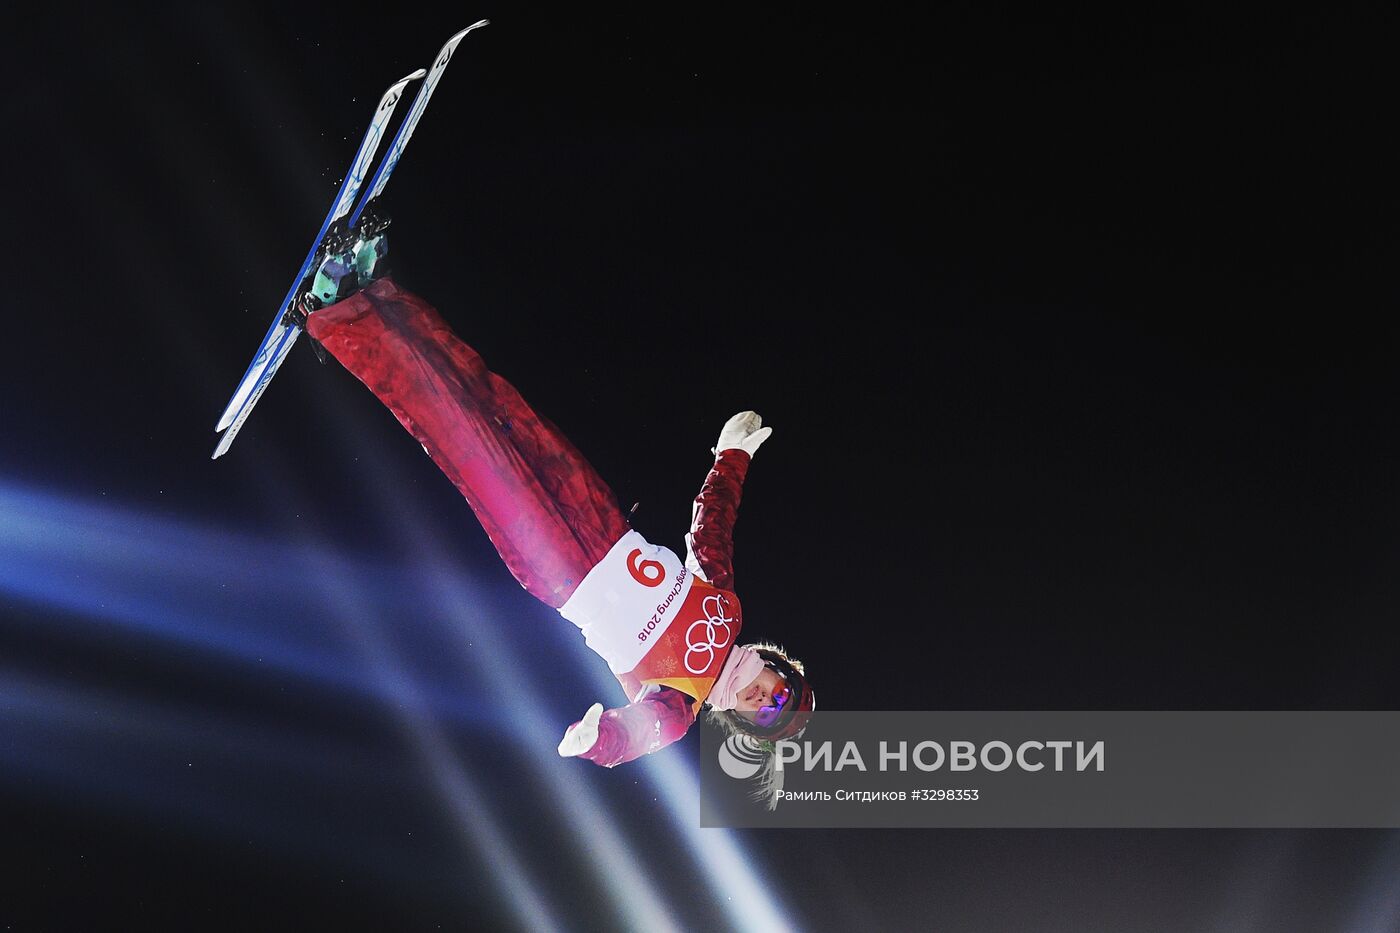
(760, 692)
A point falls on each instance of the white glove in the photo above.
(743, 432)
(580, 737)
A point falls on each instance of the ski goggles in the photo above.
(769, 714)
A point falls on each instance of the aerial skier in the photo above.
(668, 629)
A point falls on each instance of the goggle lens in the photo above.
(767, 715)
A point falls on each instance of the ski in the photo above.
(415, 113)
(286, 329)
(349, 188)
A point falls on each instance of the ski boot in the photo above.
(371, 247)
(334, 277)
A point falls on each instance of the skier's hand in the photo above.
(743, 432)
(580, 737)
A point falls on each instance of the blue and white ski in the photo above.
(345, 199)
(283, 333)
(420, 103)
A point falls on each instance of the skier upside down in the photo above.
(667, 629)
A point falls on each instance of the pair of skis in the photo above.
(286, 326)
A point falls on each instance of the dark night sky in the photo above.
(1077, 336)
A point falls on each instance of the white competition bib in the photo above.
(627, 600)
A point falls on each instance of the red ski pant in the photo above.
(544, 507)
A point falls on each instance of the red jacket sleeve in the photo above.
(710, 543)
(654, 721)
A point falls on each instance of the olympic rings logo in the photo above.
(715, 631)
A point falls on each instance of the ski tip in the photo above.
(444, 54)
(476, 25)
(418, 73)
